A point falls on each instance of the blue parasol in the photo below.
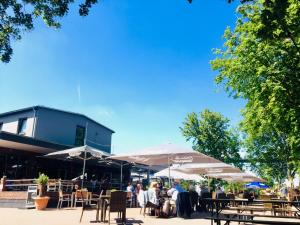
(256, 185)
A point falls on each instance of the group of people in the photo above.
(168, 201)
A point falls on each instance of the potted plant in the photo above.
(41, 200)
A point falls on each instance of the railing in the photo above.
(16, 185)
(22, 184)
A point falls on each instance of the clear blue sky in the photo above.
(136, 66)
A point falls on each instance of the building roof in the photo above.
(18, 142)
(37, 107)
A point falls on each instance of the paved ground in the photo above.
(11, 216)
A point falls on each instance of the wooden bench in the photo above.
(256, 221)
(228, 214)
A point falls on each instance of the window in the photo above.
(80, 135)
(22, 126)
(1, 126)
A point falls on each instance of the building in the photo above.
(26, 134)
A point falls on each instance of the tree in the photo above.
(17, 16)
(211, 134)
(265, 70)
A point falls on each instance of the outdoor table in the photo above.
(215, 203)
(101, 205)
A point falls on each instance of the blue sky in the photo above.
(136, 66)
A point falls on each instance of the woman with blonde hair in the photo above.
(153, 194)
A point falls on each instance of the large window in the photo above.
(80, 135)
(22, 126)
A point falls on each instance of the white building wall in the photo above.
(10, 123)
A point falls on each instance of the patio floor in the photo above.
(67, 216)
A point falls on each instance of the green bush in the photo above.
(42, 179)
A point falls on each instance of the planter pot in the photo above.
(41, 202)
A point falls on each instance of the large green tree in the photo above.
(264, 69)
(211, 134)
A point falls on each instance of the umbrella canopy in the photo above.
(178, 175)
(256, 185)
(83, 152)
(236, 177)
(166, 154)
(79, 152)
(207, 168)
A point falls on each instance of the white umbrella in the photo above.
(178, 175)
(166, 154)
(207, 169)
(83, 152)
(237, 177)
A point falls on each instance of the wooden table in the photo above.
(216, 206)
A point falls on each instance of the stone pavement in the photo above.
(70, 216)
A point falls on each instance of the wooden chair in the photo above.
(81, 196)
(86, 204)
(62, 197)
(117, 203)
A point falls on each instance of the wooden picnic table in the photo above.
(217, 205)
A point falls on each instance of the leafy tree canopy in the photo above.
(17, 16)
(264, 69)
(211, 134)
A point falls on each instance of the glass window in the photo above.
(22, 125)
(80, 135)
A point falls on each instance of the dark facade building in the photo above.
(29, 133)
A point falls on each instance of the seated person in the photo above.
(153, 195)
(173, 192)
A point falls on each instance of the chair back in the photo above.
(266, 197)
(118, 201)
(230, 196)
(129, 194)
(81, 194)
(107, 192)
(206, 195)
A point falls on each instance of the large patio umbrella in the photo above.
(83, 152)
(166, 154)
(178, 175)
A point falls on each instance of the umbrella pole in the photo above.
(121, 177)
(169, 172)
(83, 169)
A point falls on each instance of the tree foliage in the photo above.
(17, 16)
(211, 134)
(263, 67)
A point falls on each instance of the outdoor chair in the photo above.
(51, 185)
(86, 205)
(62, 197)
(194, 200)
(204, 204)
(117, 203)
(81, 196)
(130, 199)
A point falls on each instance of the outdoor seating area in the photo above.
(182, 189)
